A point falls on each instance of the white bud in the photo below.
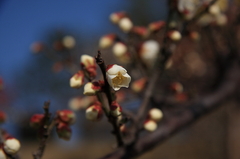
(150, 125)
(106, 41)
(88, 89)
(119, 49)
(155, 114)
(11, 146)
(76, 81)
(125, 24)
(175, 35)
(87, 61)
(94, 113)
(214, 9)
(69, 42)
(115, 17)
(149, 51)
(117, 77)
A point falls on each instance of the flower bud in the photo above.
(155, 114)
(194, 35)
(176, 87)
(66, 116)
(181, 97)
(64, 131)
(69, 42)
(2, 154)
(115, 109)
(175, 35)
(77, 80)
(117, 77)
(77, 103)
(36, 120)
(115, 17)
(149, 51)
(88, 63)
(138, 85)
(37, 47)
(106, 41)
(155, 26)
(91, 88)
(11, 146)
(214, 9)
(2, 117)
(94, 112)
(119, 49)
(141, 31)
(150, 125)
(125, 24)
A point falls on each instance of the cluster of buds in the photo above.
(65, 118)
(89, 69)
(154, 116)
(94, 112)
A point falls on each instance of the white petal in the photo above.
(115, 69)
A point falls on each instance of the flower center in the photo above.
(118, 80)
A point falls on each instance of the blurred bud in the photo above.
(2, 117)
(77, 80)
(69, 42)
(11, 146)
(221, 19)
(187, 8)
(150, 125)
(214, 9)
(91, 88)
(58, 45)
(36, 120)
(138, 85)
(194, 35)
(181, 97)
(2, 154)
(149, 51)
(125, 24)
(117, 77)
(120, 96)
(88, 63)
(156, 26)
(123, 128)
(1, 84)
(141, 31)
(119, 49)
(106, 41)
(57, 67)
(37, 47)
(80, 103)
(115, 17)
(66, 116)
(115, 109)
(175, 35)
(176, 87)
(94, 112)
(64, 131)
(155, 114)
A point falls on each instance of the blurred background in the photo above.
(29, 79)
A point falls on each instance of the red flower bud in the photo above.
(64, 131)
(36, 120)
(115, 109)
(66, 116)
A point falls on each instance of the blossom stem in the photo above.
(107, 91)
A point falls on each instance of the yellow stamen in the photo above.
(118, 80)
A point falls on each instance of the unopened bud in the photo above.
(91, 88)
(119, 49)
(125, 24)
(77, 80)
(37, 47)
(94, 112)
(141, 31)
(89, 64)
(138, 85)
(149, 51)
(115, 17)
(11, 146)
(69, 42)
(2, 154)
(66, 116)
(175, 35)
(150, 125)
(115, 109)
(155, 114)
(106, 41)
(214, 9)
(36, 120)
(176, 87)
(194, 35)
(155, 26)
(64, 131)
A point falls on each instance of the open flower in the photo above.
(117, 77)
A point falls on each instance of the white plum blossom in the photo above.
(117, 77)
